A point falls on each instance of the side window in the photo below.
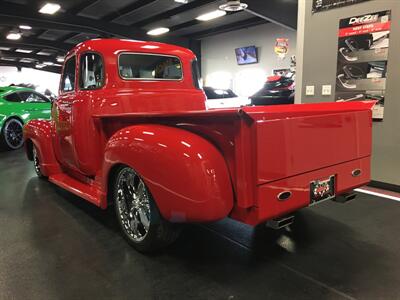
(13, 97)
(41, 98)
(32, 97)
(149, 67)
(68, 78)
(25, 96)
(91, 75)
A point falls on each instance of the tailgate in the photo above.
(295, 139)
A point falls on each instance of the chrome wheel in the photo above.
(133, 204)
(13, 134)
(36, 162)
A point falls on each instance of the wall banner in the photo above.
(281, 47)
(321, 5)
(362, 59)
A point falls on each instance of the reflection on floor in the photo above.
(55, 245)
(379, 192)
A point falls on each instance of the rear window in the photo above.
(149, 67)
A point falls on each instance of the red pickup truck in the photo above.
(130, 128)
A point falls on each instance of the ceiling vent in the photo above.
(233, 5)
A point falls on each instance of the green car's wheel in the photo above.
(12, 136)
(138, 215)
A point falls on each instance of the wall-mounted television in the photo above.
(246, 55)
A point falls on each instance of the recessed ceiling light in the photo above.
(23, 51)
(60, 59)
(5, 48)
(25, 27)
(158, 31)
(13, 36)
(211, 15)
(50, 8)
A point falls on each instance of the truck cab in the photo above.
(117, 76)
(131, 128)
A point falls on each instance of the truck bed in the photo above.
(274, 149)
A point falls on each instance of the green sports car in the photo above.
(18, 105)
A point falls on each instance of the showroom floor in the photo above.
(54, 245)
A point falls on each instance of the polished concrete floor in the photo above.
(54, 245)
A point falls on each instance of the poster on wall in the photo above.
(362, 59)
(281, 47)
(321, 5)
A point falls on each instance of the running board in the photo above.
(85, 191)
(280, 222)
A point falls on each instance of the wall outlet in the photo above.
(326, 90)
(310, 90)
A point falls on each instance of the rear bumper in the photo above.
(269, 206)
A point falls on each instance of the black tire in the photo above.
(12, 135)
(36, 163)
(138, 216)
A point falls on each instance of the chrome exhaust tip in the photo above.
(345, 198)
(280, 223)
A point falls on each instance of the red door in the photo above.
(77, 138)
(62, 116)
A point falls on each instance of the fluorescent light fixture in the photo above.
(39, 66)
(182, 1)
(211, 15)
(5, 48)
(23, 51)
(50, 8)
(158, 31)
(26, 60)
(8, 58)
(48, 63)
(60, 59)
(25, 27)
(43, 53)
(13, 36)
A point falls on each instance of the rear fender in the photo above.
(186, 175)
(39, 134)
